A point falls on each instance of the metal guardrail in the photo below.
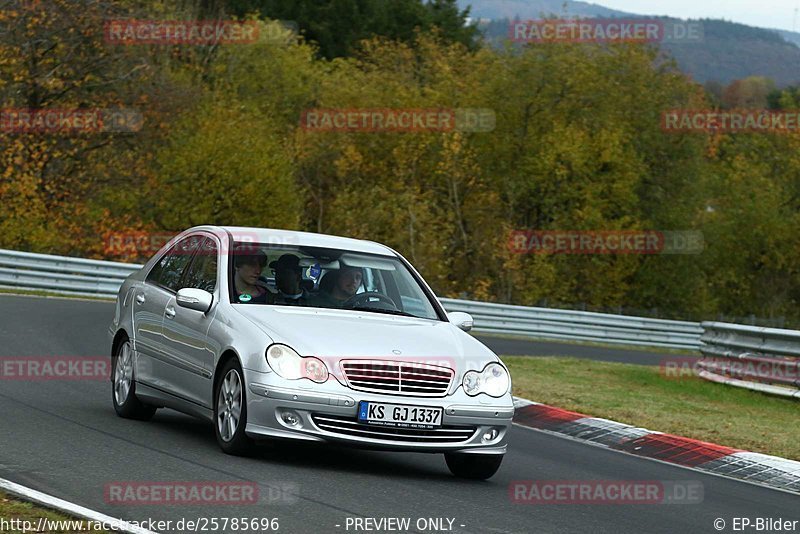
(62, 274)
(572, 325)
(756, 358)
(79, 276)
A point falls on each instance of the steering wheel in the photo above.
(362, 298)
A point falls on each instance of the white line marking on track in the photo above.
(48, 501)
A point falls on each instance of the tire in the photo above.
(123, 386)
(230, 410)
(473, 466)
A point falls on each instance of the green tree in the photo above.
(225, 165)
(336, 26)
(53, 57)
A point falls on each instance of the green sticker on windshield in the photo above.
(244, 297)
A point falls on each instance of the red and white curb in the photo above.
(762, 469)
(54, 503)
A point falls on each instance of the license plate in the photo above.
(399, 415)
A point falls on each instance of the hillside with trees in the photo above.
(577, 145)
(729, 51)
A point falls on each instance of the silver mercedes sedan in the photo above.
(279, 334)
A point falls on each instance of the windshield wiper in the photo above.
(382, 310)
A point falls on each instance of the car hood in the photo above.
(339, 334)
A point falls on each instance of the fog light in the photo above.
(490, 436)
(291, 418)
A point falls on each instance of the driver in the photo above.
(346, 282)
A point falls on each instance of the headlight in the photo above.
(290, 365)
(493, 380)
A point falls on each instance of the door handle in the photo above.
(169, 312)
(140, 299)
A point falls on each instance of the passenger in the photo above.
(340, 287)
(288, 277)
(248, 267)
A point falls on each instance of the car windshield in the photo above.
(326, 278)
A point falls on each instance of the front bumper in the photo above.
(328, 413)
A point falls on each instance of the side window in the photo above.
(168, 271)
(202, 274)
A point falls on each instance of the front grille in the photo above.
(349, 426)
(397, 378)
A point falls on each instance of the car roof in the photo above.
(291, 237)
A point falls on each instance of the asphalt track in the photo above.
(64, 438)
(524, 347)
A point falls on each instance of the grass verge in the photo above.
(12, 508)
(641, 348)
(641, 396)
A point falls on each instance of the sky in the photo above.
(764, 13)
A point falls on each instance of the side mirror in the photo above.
(194, 299)
(462, 320)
